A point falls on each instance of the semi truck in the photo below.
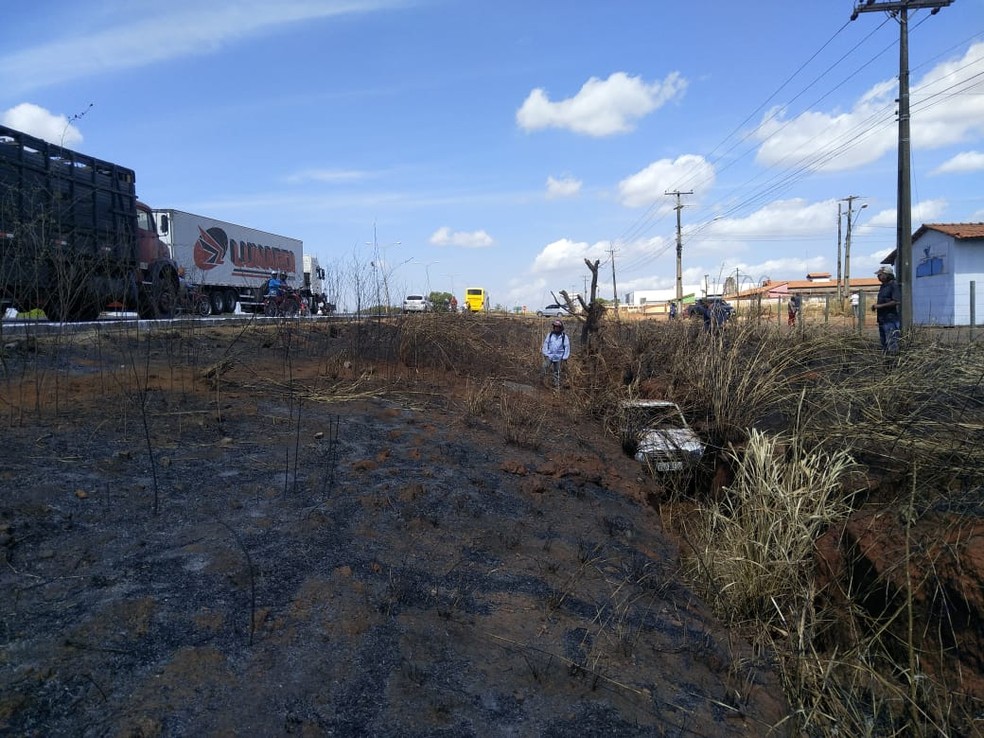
(74, 239)
(231, 263)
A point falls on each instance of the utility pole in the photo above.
(847, 240)
(903, 253)
(679, 245)
(611, 251)
(840, 283)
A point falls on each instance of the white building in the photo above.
(947, 258)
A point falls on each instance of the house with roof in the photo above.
(947, 259)
(817, 288)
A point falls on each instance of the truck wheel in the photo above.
(229, 300)
(217, 302)
(202, 306)
(163, 298)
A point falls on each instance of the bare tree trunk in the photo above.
(591, 310)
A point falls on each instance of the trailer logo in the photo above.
(213, 245)
(210, 248)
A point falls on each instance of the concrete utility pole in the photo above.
(611, 250)
(840, 283)
(679, 245)
(847, 240)
(903, 254)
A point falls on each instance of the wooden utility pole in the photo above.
(679, 245)
(903, 253)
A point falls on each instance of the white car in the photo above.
(657, 435)
(416, 304)
(553, 311)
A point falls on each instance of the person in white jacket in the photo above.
(556, 350)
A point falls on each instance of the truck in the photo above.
(74, 239)
(315, 287)
(230, 263)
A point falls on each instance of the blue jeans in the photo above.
(888, 332)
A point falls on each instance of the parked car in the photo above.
(553, 311)
(416, 304)
(656, 433)
(718, 306)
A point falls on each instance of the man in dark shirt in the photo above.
(886, 308)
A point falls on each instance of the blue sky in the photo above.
(500, 144)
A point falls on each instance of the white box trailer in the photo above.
(232, 263)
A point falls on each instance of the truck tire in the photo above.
(229, 300)
(218, 301)
(202, 306)
(161, 298)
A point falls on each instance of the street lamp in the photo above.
(427, 267)
(380, 266)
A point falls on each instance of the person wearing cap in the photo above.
(886, 308)
(556, 350)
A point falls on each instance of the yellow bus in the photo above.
(476, 299)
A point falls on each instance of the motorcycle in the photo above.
(192, 299)
(286, 304)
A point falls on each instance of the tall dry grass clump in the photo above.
(754, 546)
(812, 426)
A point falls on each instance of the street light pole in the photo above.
(847, 239)
(679, 245)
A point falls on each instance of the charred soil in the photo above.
(261, 531)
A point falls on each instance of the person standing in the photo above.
(673, 310)
(556, 350)
(886, 308)
(793, 309)
(856, 304)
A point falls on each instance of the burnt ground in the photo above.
(317, 546)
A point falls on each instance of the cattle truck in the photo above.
(230, 263)
(74, 239)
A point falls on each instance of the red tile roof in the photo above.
(957, 230)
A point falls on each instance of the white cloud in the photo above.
(41, 123)
(926, 211)
(444, 236)
(965, 161)
(193, 28)
(946, 106)
(947, 103)
(564, 187)
(601, 107)
(652, 183)
(568, 255)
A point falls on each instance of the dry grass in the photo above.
(806, 423)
